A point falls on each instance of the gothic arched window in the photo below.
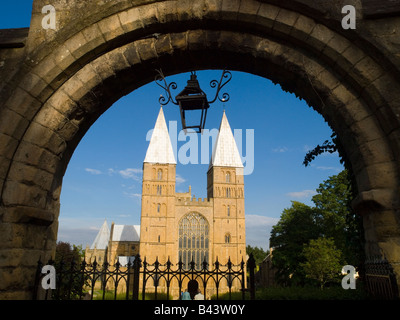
(193, 240)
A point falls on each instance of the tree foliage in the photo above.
(327, 146)
(331, 217)
(68, 260)
(258, 253)
(322, 260)
(296, 227)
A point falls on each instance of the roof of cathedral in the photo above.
(102, 238)
(126, 233)
(225, 153)
(160, 147)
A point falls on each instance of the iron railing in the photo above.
(78, 281)
(380, 279)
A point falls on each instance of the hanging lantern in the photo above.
(193, 98)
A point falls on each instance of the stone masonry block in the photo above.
(163, 45)
(230, 9)
(196, 39)
(12, 124)
(31, 175)
(117, 61)
(146, 49)
(131, 20)
(63, 58)
(50, 72)
(335, 46)
(36, 156)
(23, 103)
(148, 14)
(33, 84)
(376, 151)
(366, 129)
(9, 144)
(285, 20)
(34, 222)
(76, 45)
(212, 9)
(266, 15)
(111, 27)
(166, 12)
(75, 88)
(46, 138)
(302, 28)
(20, 194)
(178, 41)
(89, 76)
(377, 176)
(50, 117)
(4, 165)
(248, 10)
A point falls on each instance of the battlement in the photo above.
(192, 201)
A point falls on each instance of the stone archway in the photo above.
(61, 81)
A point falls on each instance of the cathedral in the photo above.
(177, 226)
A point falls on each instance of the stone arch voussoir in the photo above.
(59, 94)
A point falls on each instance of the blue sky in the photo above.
(103, 179)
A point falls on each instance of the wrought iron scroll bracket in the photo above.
(225, 78)
(160, 80)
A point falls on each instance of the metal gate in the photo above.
(380, 279)
(138, 280)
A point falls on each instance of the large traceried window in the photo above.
(193, 240)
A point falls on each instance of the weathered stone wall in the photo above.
(54, 88)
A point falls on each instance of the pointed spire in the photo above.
(160, 147)
(225, 153)
(102, 238)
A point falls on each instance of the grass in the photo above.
(109, 295)
(300, 293)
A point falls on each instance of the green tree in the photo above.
(337, 218)
(258, 253)
(331, 217)
(296, 227)
(68, 253)
(68, 261)
(322, 260)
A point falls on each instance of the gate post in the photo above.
(136, 272)
(251, 263)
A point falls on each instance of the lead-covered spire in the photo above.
(160, 148)
(225, 153)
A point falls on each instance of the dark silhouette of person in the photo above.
(193, 288)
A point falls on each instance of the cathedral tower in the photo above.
(225, 184)
(158, 196)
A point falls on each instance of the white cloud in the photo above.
(179, 179)
(258, 229)
(280, 149)
(257, 220)
(93, 171)
(329, 168)
(124, 215)
(131, 173)
(302, 194)
(133, 195)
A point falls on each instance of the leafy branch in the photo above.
(327, 146)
